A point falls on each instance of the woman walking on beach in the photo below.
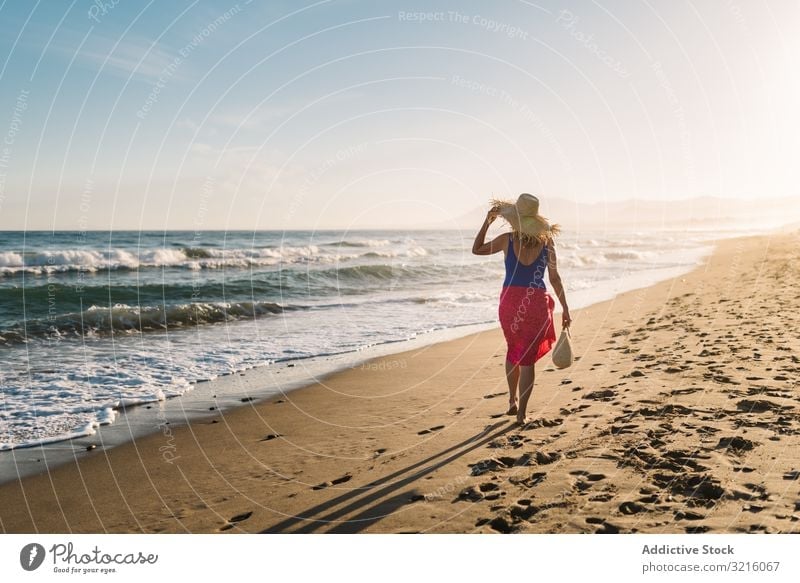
(526, 308)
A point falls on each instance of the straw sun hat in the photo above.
(524, 218)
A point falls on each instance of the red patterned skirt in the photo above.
(526, 316)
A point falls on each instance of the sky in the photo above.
(131, 114)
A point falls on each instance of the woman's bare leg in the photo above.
(526, 377)
(512, 376)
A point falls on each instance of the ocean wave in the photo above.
(192, 258)
(454, 298)
(123, 318)
(360, 243)
(197, 253)
(627, 254)
(67, 297)
(572, 259)
(380, 273)
(410, 252)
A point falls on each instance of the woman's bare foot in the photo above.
(522, 421)
(512, 408)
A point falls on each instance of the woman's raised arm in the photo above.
(480, 247)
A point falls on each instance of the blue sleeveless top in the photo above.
(525, 275)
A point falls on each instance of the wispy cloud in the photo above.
(187, 123)
(266, 113)
(252, 119)
(131, 56)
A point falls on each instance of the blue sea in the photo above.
(93, 322)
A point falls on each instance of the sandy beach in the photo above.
(680, 416)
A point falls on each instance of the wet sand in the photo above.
(682, 414)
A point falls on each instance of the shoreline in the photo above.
(238, 388)
(199, 352)
(395, 452)
(206, 399)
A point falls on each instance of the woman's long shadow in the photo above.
(376, 492)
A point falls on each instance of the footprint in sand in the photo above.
(530, 481)
(521, 461)
(736, 444)
(759, 406)
(588, 476)
(603, 395)
(707, 430)
(595, 520)
(241, 517)
(768, 392)
(607, 528)
(703, 489)
(502, 525)
(631, 508)
(235, 520)
(544, 459)
(506, 442)
(537, 423)
(430, 430)
(586, 480)
(686, 391)
(523, 512)
(493, 395)
(491, 491)
(761, 528)
(271, 436)
(491, 465)
(567, 412)
(759, 491)
(650, 499)
(470, 494)
(623, 429)
(342, 480)
(688, 515)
